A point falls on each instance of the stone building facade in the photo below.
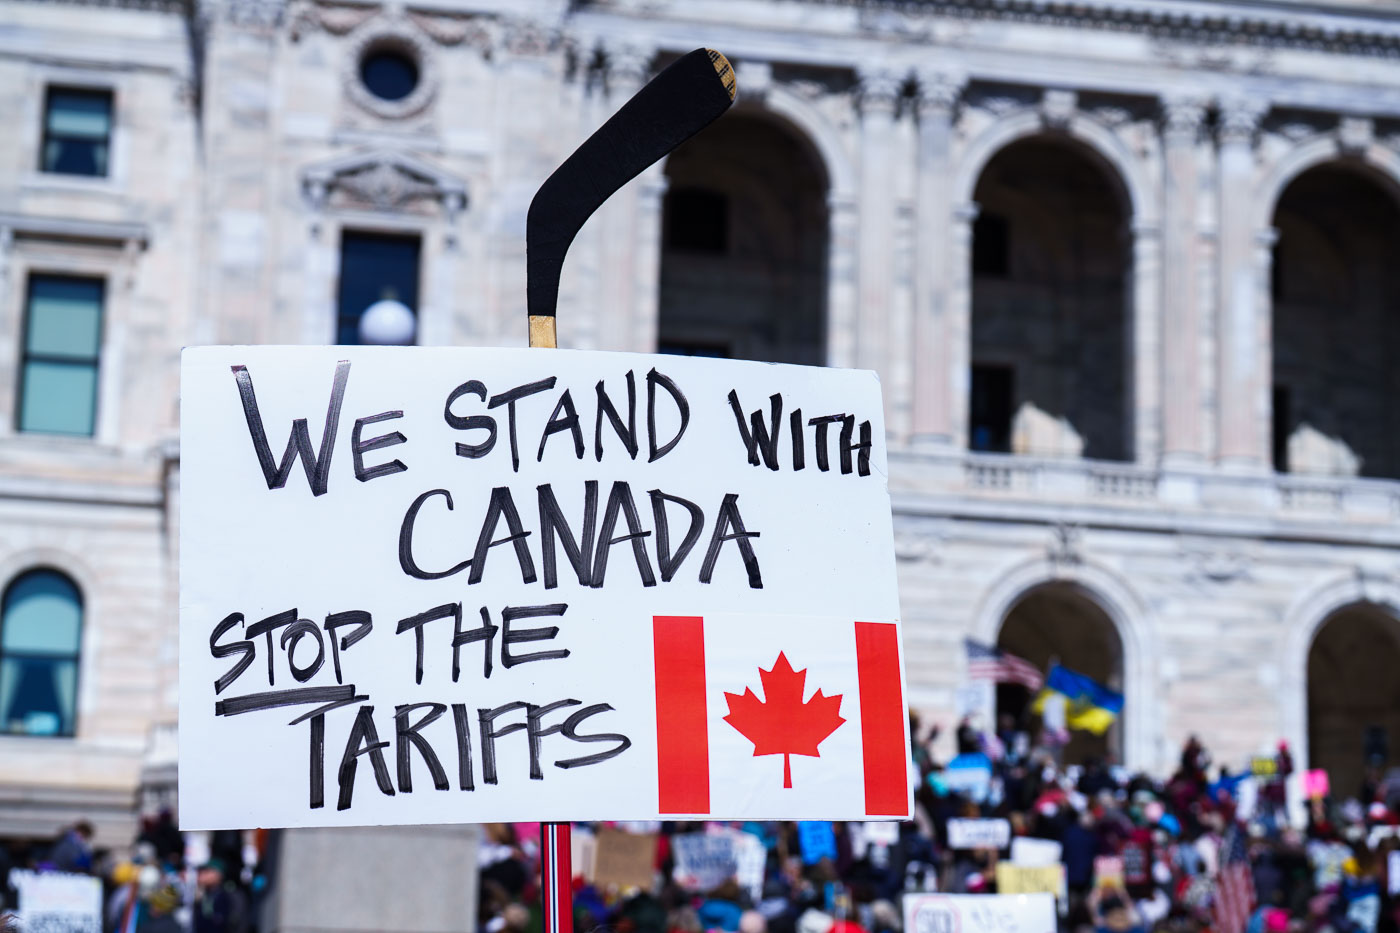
(1127, 270)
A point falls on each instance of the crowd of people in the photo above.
(1138, 854)
(1171, 845)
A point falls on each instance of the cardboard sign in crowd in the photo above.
(460, 585)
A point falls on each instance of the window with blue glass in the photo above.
(62, 350)
(40, 636)
(77, 131)
(374, 267)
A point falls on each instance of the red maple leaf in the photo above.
(780, 723)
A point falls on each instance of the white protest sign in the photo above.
(979, 913)
(56, 902)
(429, 585)
(978, 834)
(704, 861)
(1031, 852)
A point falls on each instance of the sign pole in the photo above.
(675, 105)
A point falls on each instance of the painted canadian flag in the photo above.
(780, 717)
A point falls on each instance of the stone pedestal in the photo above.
(385, 879)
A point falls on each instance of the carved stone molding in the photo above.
(1057, 108)
(1239, 120)
(390, 182)
(1182, 118)
(755, 79)
(1066, 546)
(938, 91)
(878, 90)
(398, 33)
(528, 37)
(629, 64)
(1355, 134)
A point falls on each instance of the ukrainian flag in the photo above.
(1089, 705)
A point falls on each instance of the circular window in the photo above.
(389, 74)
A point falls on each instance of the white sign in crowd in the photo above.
(979, 913)
(427, 585)
(58, 902)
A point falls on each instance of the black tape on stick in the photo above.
(674, 106)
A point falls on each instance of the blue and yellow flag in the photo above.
(1089, 705)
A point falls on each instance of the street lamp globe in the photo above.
(388, 322)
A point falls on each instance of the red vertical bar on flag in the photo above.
(882, 719)
(682, 729)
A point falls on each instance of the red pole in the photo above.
(557, 877)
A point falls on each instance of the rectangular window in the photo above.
(989, 425)
(77, 131)
(377, 267)
(62, 349)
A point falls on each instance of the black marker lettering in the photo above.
(863, 458)
(502, 504)
(799, 440)
(316, 465)
(470, 422)
(655, 379)
(729, 518)
(536, 735)
(406, 561)
(628, 433)
(364, 739)
(247, 649)
(359, 448)
(406, 735)
(570, 730)
(318, 761)
(620, 499)
(486, 633)
(446, 610)
(569, 422)
(489, 735)
(543, 633)
(363, 625)
(461, 725)
(764, 437)
(578, 550)
(291, 637)
(508, 398)
(665, 562)
(823, 458)
(265, 627)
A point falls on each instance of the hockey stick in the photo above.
(675, 105)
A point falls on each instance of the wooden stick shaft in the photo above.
(542, 331)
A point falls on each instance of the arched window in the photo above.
(40, 637)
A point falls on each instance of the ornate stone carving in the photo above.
(1214, 560)
(938, 91)
(1355, 134)
(383, 181)
(397, 33)
(1239, 119)
(1066, 547)
(878, 90)
(445, 29)
(527, 37)
(629, 64)
(1057, 107)
(1182, 118)
(755, 79)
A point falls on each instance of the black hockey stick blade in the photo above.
(675, 105)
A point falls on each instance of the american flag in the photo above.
(1234, 885)
(987, 663)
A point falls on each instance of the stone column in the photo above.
(1244, 378)
(620, 220)
(931, 348)
(1182, 437)
(878, 95)
(959, 323)
(842, 298)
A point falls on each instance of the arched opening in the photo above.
(744, 240)
(41, 630)
(1354, 695)
(1050, 374)
(1059, 623)
(1336, 288)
